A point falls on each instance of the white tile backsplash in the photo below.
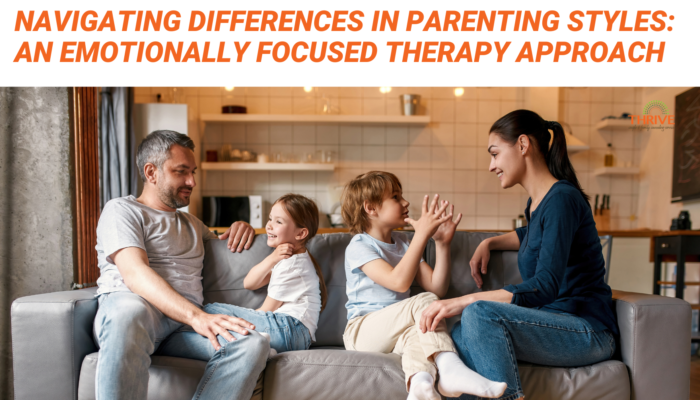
(373, 158)
(304, 134)
(375, 135)
(419, 157)
(396, 157)
(447, 156)
(466, 111)
(327, 134)
(396, 135)
(442, 157)
(441, 181)
(465, 134)
(443, 135)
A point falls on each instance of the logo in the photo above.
(655, 116)
(655, 104)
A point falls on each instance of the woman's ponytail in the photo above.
(525, 122)
(558, 158)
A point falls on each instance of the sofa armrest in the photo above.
(51, 334)
(655, 344)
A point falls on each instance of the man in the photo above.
(150, 291)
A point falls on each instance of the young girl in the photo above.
(380, 266)
(296, 294)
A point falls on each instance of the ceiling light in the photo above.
(229, 88)
(308, 89)
(385, 89)
(459, 91)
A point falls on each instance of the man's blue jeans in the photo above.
(491, 336)
(286, 333)
(129, 329)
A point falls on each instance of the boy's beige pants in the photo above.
(394, 329)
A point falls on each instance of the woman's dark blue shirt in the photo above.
(561, 260)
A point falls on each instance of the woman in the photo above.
(561, 315)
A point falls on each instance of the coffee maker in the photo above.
(682, 223)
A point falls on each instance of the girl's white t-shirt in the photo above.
(295, 282)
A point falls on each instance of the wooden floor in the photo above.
(695, 378)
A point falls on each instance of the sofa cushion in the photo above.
(333, 373)
(336, 373)
(607, 380)
(171, 378)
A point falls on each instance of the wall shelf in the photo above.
(319, 118)
(255, 166)
(626, 123)
(575, 148)
(616, 171)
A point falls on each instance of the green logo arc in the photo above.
(655, 104)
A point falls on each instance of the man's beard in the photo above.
(168, 196)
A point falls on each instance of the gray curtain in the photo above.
(119, 174)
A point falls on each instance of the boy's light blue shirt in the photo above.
(364, 295)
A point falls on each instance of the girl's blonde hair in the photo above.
(369, 187)
(304, 213)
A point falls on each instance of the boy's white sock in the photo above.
(422, 387)
(456, 378)
(273, 352)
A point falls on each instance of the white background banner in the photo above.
(342, 43)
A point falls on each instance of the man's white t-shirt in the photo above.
(295, 282)
(173, 242)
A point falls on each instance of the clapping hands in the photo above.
(446, 231)
(435, 221)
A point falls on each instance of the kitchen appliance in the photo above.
(682, 223)
(223, 211)
(234, 110)
(409, 104)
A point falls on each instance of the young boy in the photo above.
(381, 265)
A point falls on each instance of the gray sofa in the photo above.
(55, 355)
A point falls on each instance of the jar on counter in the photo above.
(519, 222)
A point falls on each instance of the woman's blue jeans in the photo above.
(491, 336)
(286, 333)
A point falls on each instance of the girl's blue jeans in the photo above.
(286, 333)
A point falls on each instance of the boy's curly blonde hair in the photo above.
(369, 187)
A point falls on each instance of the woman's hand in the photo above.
(439, 309)
(431, 217)
(446, 231)
(479, 261)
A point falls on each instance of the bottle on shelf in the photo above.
(609, 157)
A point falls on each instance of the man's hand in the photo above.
(431, 217)
(446, 230)
(210, 325)
(240, 236)
(439, 309)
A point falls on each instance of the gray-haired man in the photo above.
(150, 290)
